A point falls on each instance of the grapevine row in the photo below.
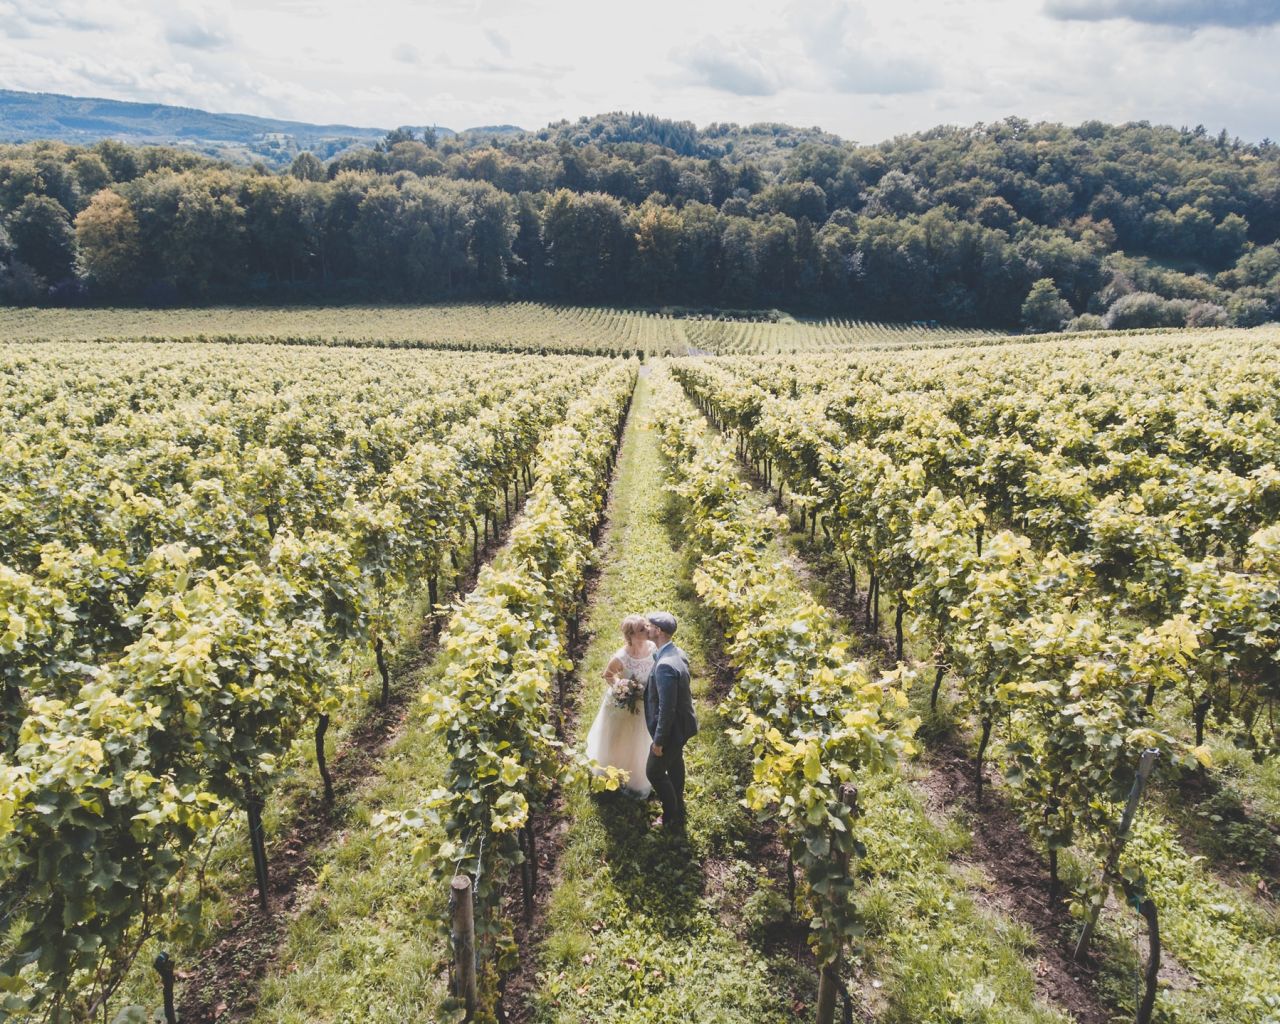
(1048, 648)
(1161, 530)
(527, 327)
(164, 645)
(504, 652)
(814, 720)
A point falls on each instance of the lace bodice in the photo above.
(636, 668)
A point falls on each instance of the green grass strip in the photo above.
(641, 927)
(366, 947)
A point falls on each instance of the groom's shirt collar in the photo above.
(658, 653)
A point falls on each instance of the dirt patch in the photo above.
(1019, 880)
(723, 676)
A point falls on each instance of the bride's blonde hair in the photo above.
(633, 624)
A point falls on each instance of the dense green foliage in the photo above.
(200, 544)
(1086, 536)
(196, 544)
(815, 720)
(914, 964)
(505, 649)
(1133, 225)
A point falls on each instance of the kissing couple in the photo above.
(648, 673)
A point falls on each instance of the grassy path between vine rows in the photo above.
(370, 755)
(641, 926)
(1220, 962)
(368, 943)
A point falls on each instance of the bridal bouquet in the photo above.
(627, 694)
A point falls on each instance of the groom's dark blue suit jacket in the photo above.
(668, 698)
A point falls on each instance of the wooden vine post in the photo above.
(464, 943)
(322, 727)
(829, 984)
(380, 655)
(1145, 764)
(1146, 908)
(163, 965)
(528, 869)
(258, 846)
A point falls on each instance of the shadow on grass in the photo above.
(655, 873)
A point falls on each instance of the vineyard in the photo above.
(197, 554)
(514, 327)
(300, 644)
(1085, 539)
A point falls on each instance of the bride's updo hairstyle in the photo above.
(632, 625)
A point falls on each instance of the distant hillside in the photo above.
(766, 143)
(485, 132)
(238, 137)
(244, 138)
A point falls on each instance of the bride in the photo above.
(619, 736)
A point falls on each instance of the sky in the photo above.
(864, 70)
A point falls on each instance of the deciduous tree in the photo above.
(109, 240)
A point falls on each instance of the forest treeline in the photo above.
(1005, 224)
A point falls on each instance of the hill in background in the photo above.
(240, 138)
(245, 138)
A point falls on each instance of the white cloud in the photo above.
(499, 42)
(406, 53)
(729, 67)
(198, 32)
(852, 56)
(866, 71)
(26, 15)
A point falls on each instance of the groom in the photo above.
(668, 711)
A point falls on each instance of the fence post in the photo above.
(1145, 764)
(829, 985)
(464, 944)
(164, 967)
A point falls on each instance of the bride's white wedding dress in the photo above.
(618, 737)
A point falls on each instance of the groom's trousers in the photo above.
(666, 775)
